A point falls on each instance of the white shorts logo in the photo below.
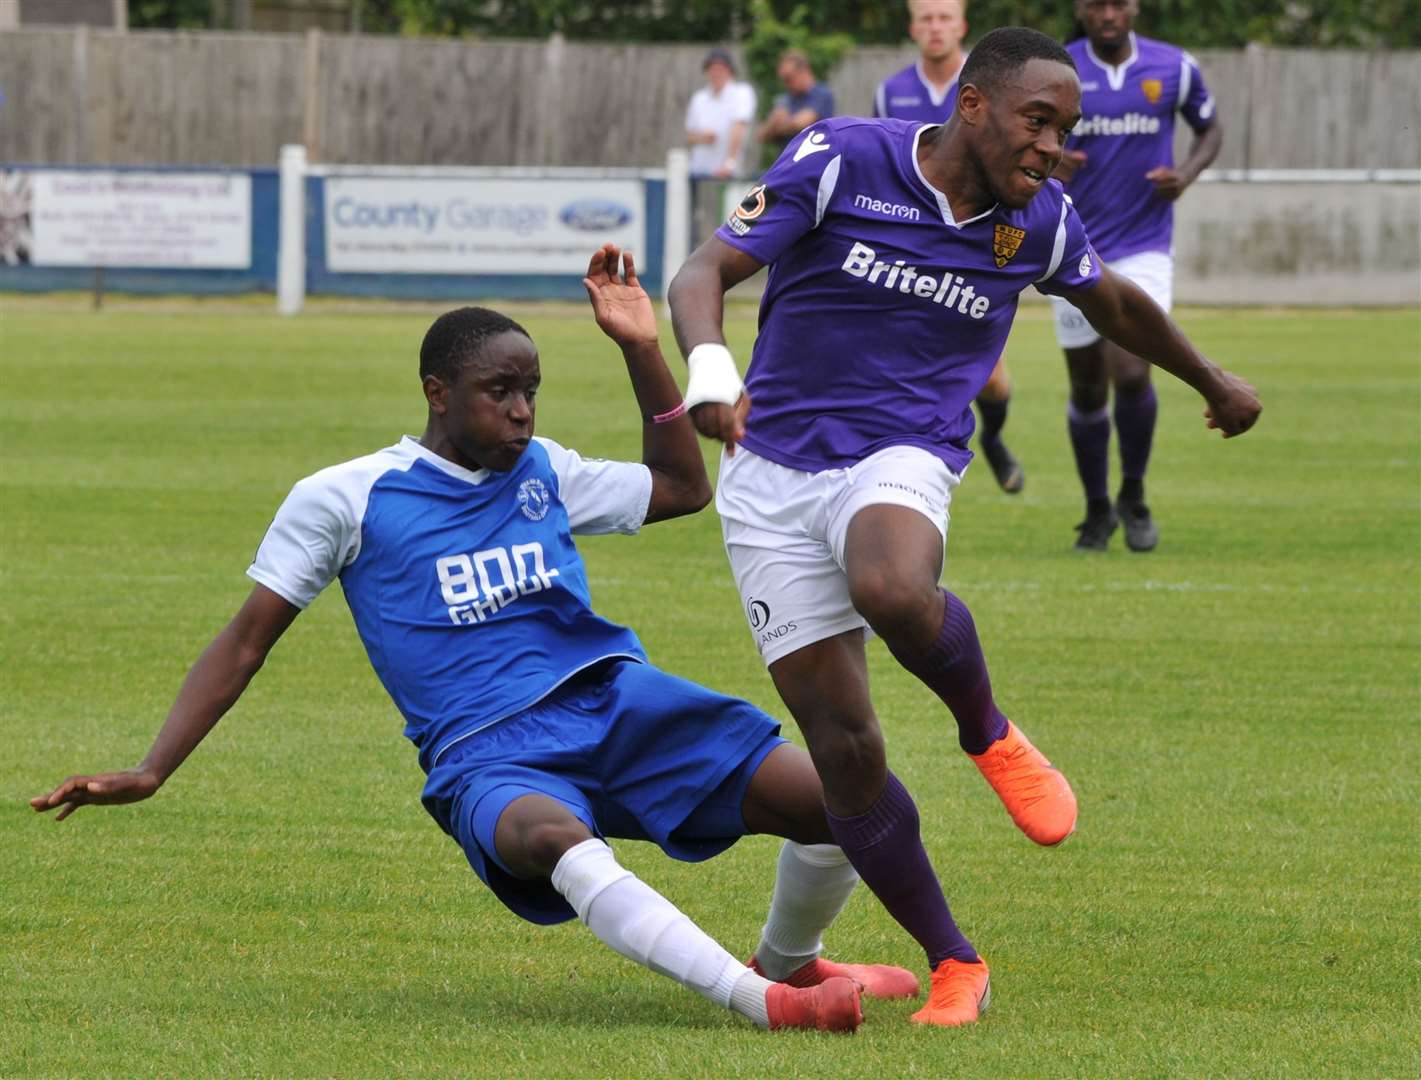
(533, 499)
(1084, 267)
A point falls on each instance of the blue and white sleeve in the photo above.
(312, 538)
(600, 496)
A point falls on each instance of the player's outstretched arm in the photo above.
(679, 484)
(715, 395)
(1123, 312)
(212, 687)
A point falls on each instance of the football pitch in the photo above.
(1239, 712)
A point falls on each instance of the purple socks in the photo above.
(955, 670)
(1090, 439)
(1135, 424)
(886, 848)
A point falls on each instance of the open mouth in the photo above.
(1036, 177)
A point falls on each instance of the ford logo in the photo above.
(595, 215)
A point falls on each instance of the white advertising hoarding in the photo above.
(428, 225)
(200, 221)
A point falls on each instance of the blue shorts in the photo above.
(633, 752)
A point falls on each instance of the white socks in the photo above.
(813, 883)
(629, 916)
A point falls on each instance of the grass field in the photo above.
(1240, 714)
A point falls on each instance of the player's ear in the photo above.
(436, 392)
(970, 103)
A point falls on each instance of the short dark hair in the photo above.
(1006, 50)
(458, 337)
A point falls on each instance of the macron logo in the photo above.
(878, 206)
(817, 141)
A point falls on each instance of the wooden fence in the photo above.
(97, 97)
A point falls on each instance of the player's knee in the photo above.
(848, 748)
(1132, 383)
(896, 606)
(533, 850)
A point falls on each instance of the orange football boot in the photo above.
(1038, 798)
(959, 994)
(833, 1005)
(876, 980)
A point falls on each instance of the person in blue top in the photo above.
(805, 101)
(541, 727)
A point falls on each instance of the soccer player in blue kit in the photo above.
(541, 727)
(925, 92)
(1119, 169)
(897, 252)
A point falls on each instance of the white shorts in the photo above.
(1152, 271)
(785, 531)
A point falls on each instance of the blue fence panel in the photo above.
(320, 280)
(260, 276)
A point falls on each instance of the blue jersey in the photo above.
(1127, 129)
(467, 590)
(883, 316)
(907, 95)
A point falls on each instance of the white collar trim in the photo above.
(1114, 75)
(933, 95)
(414, 446)
(942, 204)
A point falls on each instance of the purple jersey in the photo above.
(1127, 129)
(909, 96)
(883, 317)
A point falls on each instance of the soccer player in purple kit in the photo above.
(897, 252)
(926, 91)
(1119, 170)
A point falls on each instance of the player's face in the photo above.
(489, 408)
(938, 27)
(1107, 22)
(1023, 128)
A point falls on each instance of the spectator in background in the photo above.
(718, 119)
(805, 101)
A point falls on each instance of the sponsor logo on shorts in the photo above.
(1084, 266)
(1006, 242)
(762, 623)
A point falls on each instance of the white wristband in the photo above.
(713, 376)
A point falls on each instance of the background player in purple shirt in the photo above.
(1120, 165)
(926, 92)
(897, 253)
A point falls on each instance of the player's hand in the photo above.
(619, 303)
(1072, 161)
(723, 422)
(1169, 184)
(130, 785)
(1233, 406)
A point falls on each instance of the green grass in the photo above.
(1240, 713)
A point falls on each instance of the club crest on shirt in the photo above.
(757, 200)
(1153, 88)
(1006, 242)
(533, 499)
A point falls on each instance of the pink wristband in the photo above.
(667, 417)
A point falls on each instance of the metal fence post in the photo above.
(291, 231)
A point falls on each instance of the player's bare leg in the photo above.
(893, 556)
(1088, 420)
(992, 405)
(1135, 413)
(871, 814)
(813, 882)
(538, 837)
